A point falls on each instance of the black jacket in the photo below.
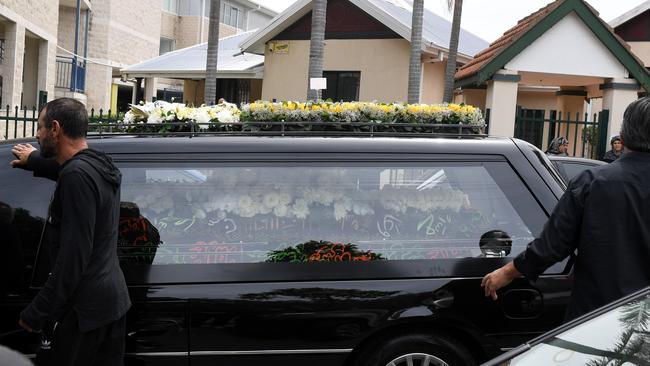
(81, 235)
(610, 156)
(605, 215)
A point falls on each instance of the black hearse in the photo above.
(241, 250)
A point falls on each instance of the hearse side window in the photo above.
(302, 213)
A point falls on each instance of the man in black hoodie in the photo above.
(613, 251)
(85, 295)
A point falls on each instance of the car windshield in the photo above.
(620, 336)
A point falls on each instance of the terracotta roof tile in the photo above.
(510, 36)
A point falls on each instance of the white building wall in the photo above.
(580, 54)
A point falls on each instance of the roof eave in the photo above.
(255, 72)
(256, 42)
(386, 19)
(433, 48)
(630, 14)
(603, 33)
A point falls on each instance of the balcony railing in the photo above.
(70, 74)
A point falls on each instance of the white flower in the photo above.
(362, 209)
(300, 209)
(199, 214)
(285, 198)
(225, 116)
(340, 212)
(201, 115)
(245, 201)
(247, 211)
(281, 211)
(129, 117)
(154, 118)
(271, 199)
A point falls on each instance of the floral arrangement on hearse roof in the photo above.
(311, 116)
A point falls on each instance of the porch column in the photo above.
(502, 101)
(149, 89)
(617, 95)
(12, 66)
(134, 94)
(571, 101)
(46, 69)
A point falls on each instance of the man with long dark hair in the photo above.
(613, 251)
(85, 295)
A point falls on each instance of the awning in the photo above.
(190, 62)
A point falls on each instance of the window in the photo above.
(342, 85)
(571, 170)
(276, 212)
(231, 15)
(22, 217)
(170, 6)
(166, 45)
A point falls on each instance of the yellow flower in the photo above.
(337, 108)
(454, 107)
(413, 108)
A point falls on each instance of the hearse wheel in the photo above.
(418, 350)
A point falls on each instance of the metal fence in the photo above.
(70, 74)
(19, 123)
(587, 135)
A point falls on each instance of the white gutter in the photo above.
(281, 18)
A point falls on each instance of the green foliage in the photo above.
(322, 251)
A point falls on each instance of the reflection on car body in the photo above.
(570, 167)
(617, 334)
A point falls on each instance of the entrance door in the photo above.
(529, 126)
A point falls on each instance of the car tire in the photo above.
(419, 349)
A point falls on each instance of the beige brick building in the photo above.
(28, 39)
(55, 48)
(185, 23)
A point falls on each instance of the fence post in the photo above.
(24, 121)
(603, 125)
(7, 123)
(585, 127)
(575, 137)
(34, 121)
(16, 122)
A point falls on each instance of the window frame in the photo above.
(171, 6)
(144, 274)
(172, 42)
(337, 74)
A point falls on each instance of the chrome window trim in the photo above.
(242, 353)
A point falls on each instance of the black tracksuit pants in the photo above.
(103, 346)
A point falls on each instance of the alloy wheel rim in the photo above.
(417, 359)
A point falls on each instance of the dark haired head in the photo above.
(636, 125)
(71, 115)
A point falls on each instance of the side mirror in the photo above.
(495, 244)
